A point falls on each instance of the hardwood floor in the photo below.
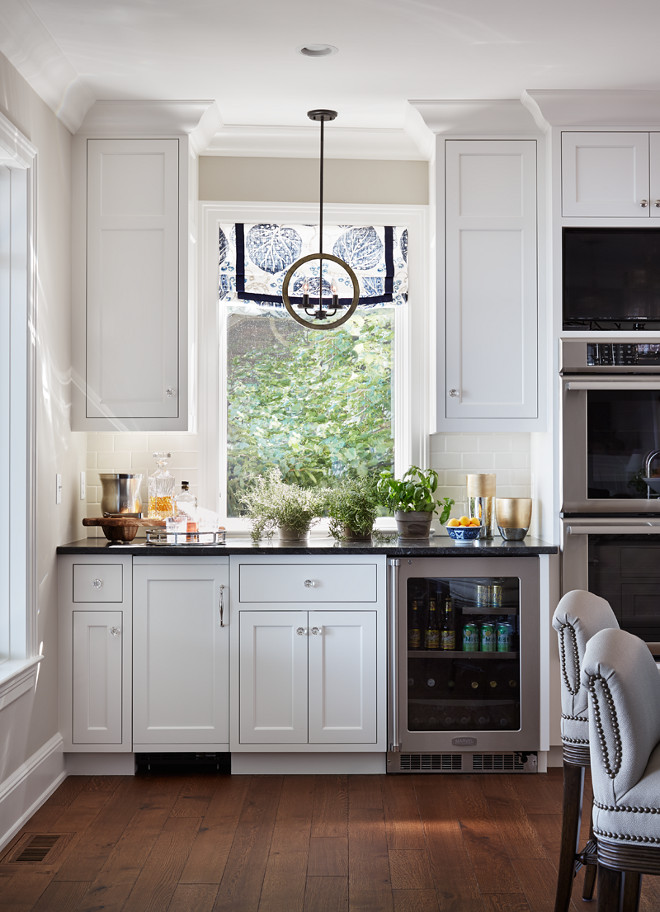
(205, 843)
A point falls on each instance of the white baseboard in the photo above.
(26, 789)
(82, 764)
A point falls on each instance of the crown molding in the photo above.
(246, 141)
(32, 51)
(198, 119)
(475, 116)
(616, 108)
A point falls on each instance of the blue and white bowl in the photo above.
(463, 533)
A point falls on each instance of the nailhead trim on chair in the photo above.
(576, 658)
(612, 769)
(575, 718)
(626, 838)
(626, 808)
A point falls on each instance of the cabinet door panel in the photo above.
(342, 677)
(180, 669)
(97, 677)
(605, 174)
(491, 280)
(132, 278)
(273, 677)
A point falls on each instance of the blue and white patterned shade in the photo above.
(254, 259)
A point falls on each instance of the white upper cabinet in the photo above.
(611, 175)
(130, 281)
(491, 302)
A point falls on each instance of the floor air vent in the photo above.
(33, 848)
(504, 763)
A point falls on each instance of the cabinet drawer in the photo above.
(97, 583)
(308, 583)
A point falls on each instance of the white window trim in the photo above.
(415, 399)
(18, 670)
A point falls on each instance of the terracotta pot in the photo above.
(413, 524)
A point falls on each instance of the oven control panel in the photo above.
(633, 357)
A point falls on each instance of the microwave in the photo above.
(610, 279)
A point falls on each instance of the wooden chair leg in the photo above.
(610, 883)
(632, 887)
(570, 833)
(590, 870)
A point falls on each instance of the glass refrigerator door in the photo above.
(467, 679)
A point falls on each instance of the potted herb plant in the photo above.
(352, 508)
(412, 500)
(273, 504)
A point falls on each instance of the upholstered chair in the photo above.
(578, 616)
(622, 679)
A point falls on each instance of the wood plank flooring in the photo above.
(207, 843)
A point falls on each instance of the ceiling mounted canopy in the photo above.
(316, 303)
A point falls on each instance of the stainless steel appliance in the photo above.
(610, 454)
(610, 426)
(473, 707)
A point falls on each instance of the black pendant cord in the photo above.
(321, 214)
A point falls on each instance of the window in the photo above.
(316, 404)
(17, 451)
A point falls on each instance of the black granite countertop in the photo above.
(437, 546)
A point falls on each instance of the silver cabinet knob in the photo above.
(317, 631)
(170, 392)
(310, 584)
(301, 631)
(97, 583)
(115, 631)
(657, 204)
(644, 204)
(453, 393)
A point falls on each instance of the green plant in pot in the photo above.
(273, 504)
(352, 508)
(412, 500)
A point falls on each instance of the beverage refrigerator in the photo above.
(464, 698)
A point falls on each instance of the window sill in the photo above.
(17, 677)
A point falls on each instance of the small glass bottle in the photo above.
(185, 506)
(448, 628)
(414, 627)
(432, 630)
(161, 489)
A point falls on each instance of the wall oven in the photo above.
(610, 477)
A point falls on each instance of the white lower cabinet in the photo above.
(308, 675)
(180, 654)
(95, 614)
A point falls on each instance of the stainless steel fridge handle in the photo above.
(613, 383)
(642, 528)
(394, 744)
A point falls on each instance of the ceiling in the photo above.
(244, 55)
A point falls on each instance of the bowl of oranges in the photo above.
(464, 529)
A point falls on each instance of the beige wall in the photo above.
(33, 719)
(297, 180)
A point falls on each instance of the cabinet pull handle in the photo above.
(170, 392)
(657, 204)
(301, 631)
(115, 631)
(453, 393)
(221, 604)
(644, 204)
(97, 583)
(317, 631)
(310, 584)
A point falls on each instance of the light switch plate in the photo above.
(83, 486)
(58, 488)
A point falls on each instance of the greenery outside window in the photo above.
(316, 404)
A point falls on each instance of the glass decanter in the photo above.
(161, 489)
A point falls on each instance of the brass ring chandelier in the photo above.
(319, 309)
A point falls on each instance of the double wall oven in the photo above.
(610, 475)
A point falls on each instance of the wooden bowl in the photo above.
(117, 528)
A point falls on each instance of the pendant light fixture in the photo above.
(315, 311)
